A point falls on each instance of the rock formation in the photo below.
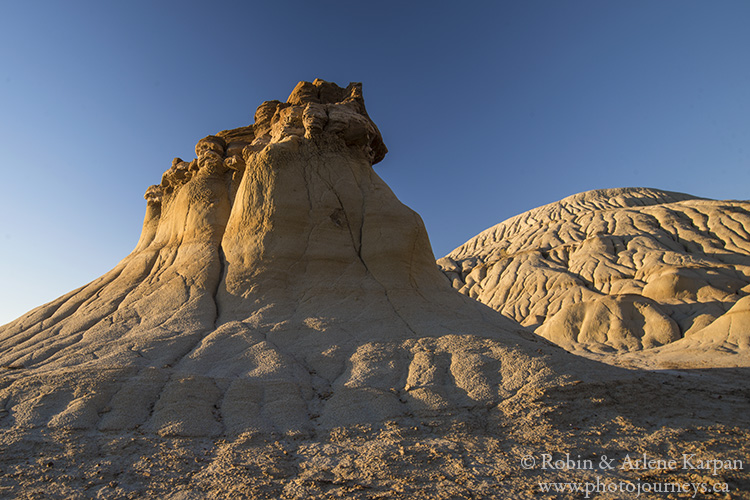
(620, 270)
(278, 285)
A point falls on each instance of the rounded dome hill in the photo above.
(620, 270)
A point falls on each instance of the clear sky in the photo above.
(488, 108)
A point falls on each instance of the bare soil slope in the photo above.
(621, 270)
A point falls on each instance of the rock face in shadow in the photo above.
(278, 285)
(620, 270)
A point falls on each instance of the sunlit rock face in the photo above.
(278, 285)
(620, 270)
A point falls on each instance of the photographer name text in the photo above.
(643, 462)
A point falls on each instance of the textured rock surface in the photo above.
(620, 270)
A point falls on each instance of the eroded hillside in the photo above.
(620, 270)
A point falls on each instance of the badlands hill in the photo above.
(281, 330)
(621, 270)
(276, 277)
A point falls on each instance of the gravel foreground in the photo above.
(560, 436)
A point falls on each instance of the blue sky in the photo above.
(488, 108)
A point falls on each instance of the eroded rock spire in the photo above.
(276, 277)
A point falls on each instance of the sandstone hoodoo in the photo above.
(278, 284)
(621, 270)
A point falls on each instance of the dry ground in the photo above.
(663, 414)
